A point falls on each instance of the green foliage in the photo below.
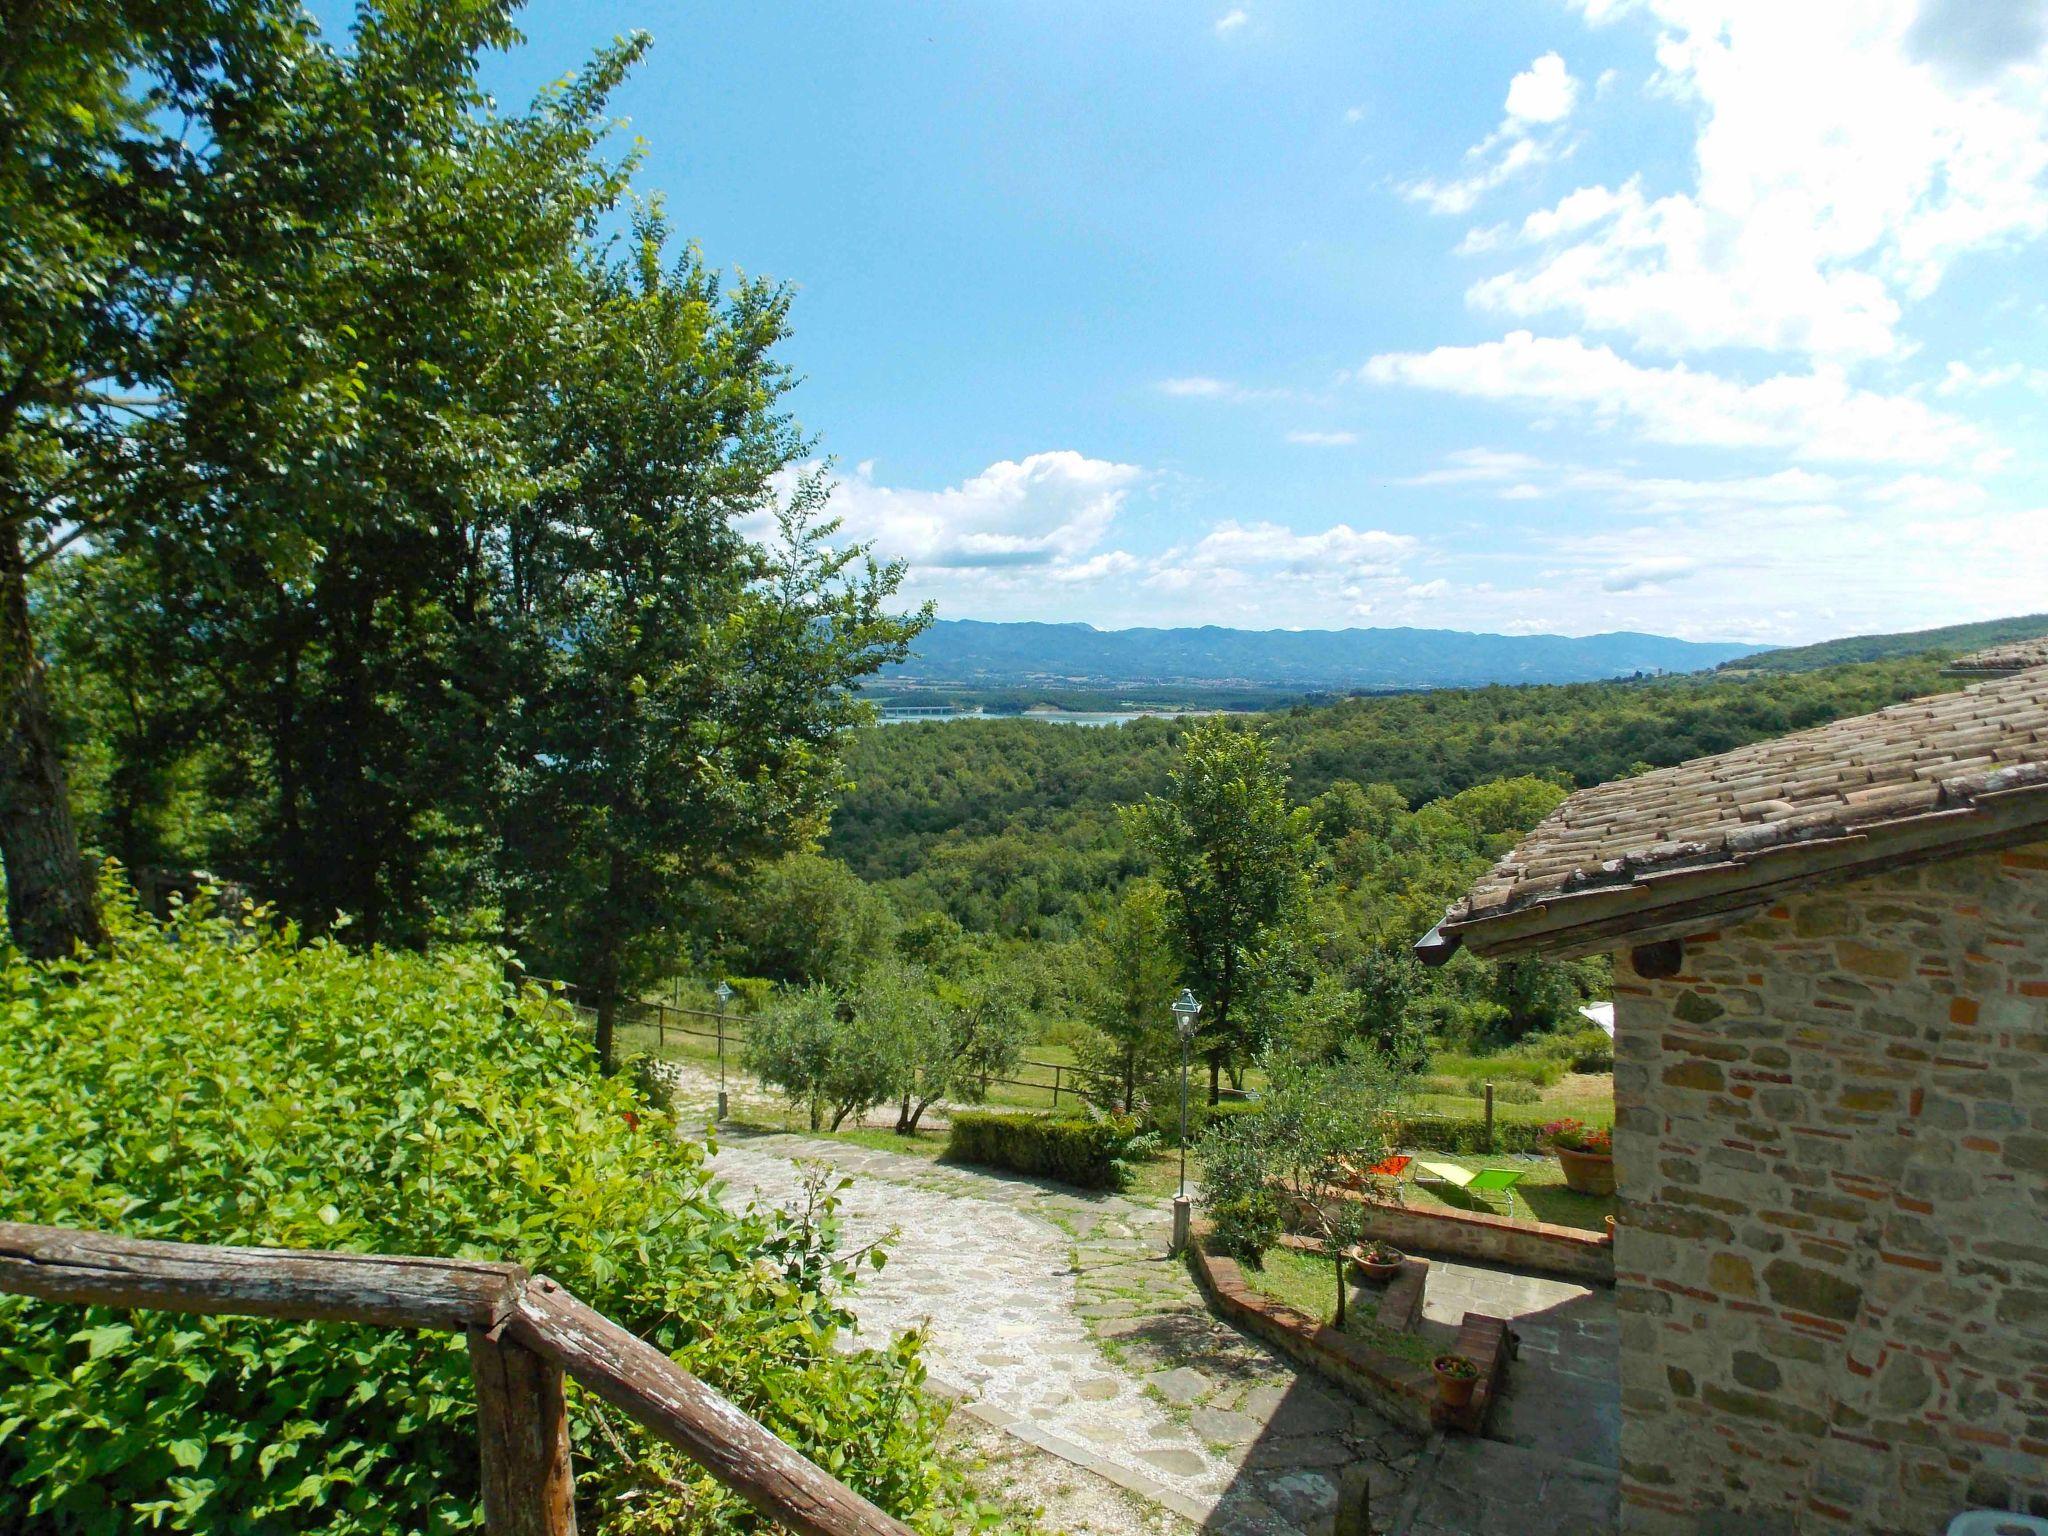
(805, 918)
(822, 1054)
(1093, 1153)
(1130, 1049)
(1316, 1117)
(941, 1039)
(220, 1084)
(1950, 640)
(1232, 857)
(1467, 1136)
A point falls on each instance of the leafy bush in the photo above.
(1095, 1153)
(1581, 1050)
(1442, 1133)
(218, 1085)
(1164, 1117)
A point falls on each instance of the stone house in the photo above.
(1831, 1097)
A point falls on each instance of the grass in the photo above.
(1308, 1283)
(1587, 1096)
(1542, 1193)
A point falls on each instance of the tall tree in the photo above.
(238, 262)
(1134, 970)
(681, 689)
(1233, 857)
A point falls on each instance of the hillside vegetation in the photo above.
(210, 1085)
(1948, 641)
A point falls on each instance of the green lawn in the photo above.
(1308, 1283)
(1541, 1194)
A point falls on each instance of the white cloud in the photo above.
(1816, 415)
(1847, 153)
(1963, 379)
(1354, 114)
(1046, 512)
(1470, 464)
(1199, 387)
(1261, 573)
(1540, 97)
(1543, 93)
(1230, 21)
(1323, 439)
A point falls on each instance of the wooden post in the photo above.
(1489, 1117)
(522, 1435)
(1055, 1085)
(661, 1026)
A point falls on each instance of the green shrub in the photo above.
(1164, 1118)
(1581, 1050)
(1442, 1133)
(221, 1087)
(1092, 1153)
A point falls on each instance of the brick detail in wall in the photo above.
(1832, 1263)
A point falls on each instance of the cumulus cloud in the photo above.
(1824, 199)
(1323, 439)
(1816, 415)
(1230, 21)
(1540, 97)
(1047, 511)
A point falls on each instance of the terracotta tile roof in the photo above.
(2015, 656)
(1919, 780)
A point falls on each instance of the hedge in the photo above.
(1093, 1154)
(1442, 1133)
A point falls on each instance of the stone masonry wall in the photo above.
(1832, 1258)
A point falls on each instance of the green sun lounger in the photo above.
(1487, 1181)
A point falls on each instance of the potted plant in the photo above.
(1456, 1378)
(1378, 1261)
(1586, 1156)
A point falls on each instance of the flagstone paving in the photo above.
(1058, 1318)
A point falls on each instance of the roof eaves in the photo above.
(1996, 809)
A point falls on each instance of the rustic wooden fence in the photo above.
(729, 1030)
(524, 1331)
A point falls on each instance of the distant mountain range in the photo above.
(972, 654)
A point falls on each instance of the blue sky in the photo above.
(1719, 318)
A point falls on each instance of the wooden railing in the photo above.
(524, 1331)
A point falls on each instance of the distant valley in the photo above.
(1084, 666)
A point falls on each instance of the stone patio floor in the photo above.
(1057, 1317)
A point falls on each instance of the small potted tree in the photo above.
(1456, 1379)
(1586, 1156)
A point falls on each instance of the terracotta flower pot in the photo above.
(1373, 1270)
(1454, 1389)
(1586, 1172)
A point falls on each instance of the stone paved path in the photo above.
(1058, 1317)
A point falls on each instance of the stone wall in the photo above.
(1531, 1245)
(1832, 1259)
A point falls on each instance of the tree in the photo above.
(240, 302)
(805, 918)
(1232, 856)
(941, 1041)
(814, 1048)
(1134, 969)
(680, 689)
(1316, 1118)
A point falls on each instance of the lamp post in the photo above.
(1185, 1011)
(724, 996)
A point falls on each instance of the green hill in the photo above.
(1952, 639)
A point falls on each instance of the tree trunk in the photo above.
(1340, 1290)
(52, 902)
(1215, 1075)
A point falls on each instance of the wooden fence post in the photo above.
(1489, 1117)
(522, 1434)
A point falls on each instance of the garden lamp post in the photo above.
(724, 996)
(1185, 1011)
